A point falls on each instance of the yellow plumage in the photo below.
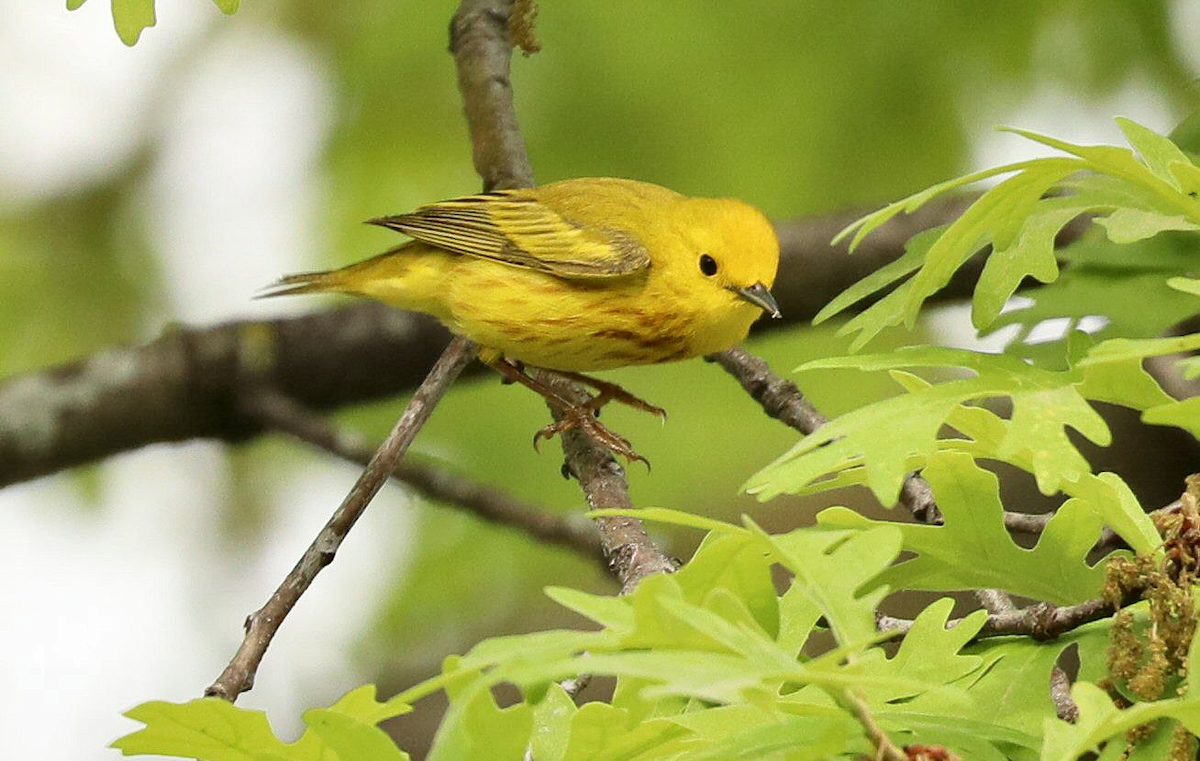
(578, 275)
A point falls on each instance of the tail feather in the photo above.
(349, 279)
(304, 282)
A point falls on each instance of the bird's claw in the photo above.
(618, 394)
(582, 418)
(610, 392)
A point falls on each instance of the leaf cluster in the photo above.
(765, 645)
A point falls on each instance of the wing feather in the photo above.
(517, 229)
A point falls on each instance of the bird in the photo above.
(575, 276)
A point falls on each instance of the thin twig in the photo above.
(995, 601)
(1042, 621)
(885, 749)
(780, 398)
(1045, 621)
(282, 414)
(631, 554)
(1060, 693)
(479, 40)
(261, 625)
(1026, 523)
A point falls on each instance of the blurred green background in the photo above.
(164, 183)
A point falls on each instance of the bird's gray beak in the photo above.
(759, 296)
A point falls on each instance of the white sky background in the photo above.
(139, 599)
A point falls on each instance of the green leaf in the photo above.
(1100, 720)
(361, 704)
(863, 227)
(1009, 693)
(930, 653)
(735, 565)
(1130, 225)
(1183, 414)
(1114, 282)
(883, 436)
(130, 17)
(1119, 349)
(610, 612)
(746, 641)
(914, 253)
(798, 614)
(971, 738)
(475, 727)
(552, 717)
(973, 550)
(1157, 151)
(1123, 382)
(1030, 255)
(1119, 163)
(996, 218)
(350, 739)
(1020, 217)
(798, 738)
(833, 569)
(886, 438)
(654, 623)
(711, 676)
(1106, 494)
(1156, 747)
(1185, 284)
(667, 515)
(535, 646)
(1187, 175)
(600, 732)
(209, 729)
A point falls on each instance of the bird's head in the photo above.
(733, 251)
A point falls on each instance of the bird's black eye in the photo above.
(708, 265)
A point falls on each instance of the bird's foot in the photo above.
(581, 417)
(611, 392)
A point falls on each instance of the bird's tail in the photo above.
(342, 280)
(303, 282)
(410, 276)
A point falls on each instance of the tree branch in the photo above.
(479, 40)
(262, 625)
(1043, 621)
(631, 554)
(278, 413)
(186, 383)
(994, 601)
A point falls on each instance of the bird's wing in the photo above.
(517, 229)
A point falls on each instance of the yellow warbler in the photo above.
(578, 275)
